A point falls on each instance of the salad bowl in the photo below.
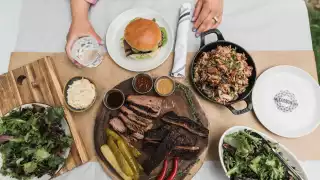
(282, 150)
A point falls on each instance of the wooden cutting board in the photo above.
(38, 82)
(184, 103)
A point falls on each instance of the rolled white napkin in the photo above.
(181, 46)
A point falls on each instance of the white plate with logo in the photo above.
(286, 100)
(116, 32)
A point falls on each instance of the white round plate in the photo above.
(116, 32)
(286, 153)
(286, 100)
(66, 153)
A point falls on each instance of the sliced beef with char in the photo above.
(187, 148)
(130, 124)
(128, 138)
(175, 144)
(183, 141)
(188, 124)
(157, 134)
(186, 152)
(138, 135)
(134, 117)
(183, 152)
(163, 150)
(132, 139)
(151, 103)
(143, 112)
(151, 142)
(117, 125)
(187, 140)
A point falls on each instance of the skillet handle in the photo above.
(248, 101)
(204, 34)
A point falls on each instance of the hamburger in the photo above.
(143, 38)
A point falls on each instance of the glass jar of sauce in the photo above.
(114, 99)
(142, 83)
(164, 86)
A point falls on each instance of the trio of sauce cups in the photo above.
(142, 84)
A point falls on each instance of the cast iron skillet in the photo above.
(246, 96)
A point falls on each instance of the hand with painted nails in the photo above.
(207, 15)
(80, 25)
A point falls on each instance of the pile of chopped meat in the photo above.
(222, 74)
(136, 117)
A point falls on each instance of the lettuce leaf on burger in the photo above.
(143, 38)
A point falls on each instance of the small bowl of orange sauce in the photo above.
(164, 86)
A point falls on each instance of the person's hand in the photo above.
(207, 15)
(77, 30)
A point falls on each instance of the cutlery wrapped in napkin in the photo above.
(181, 45)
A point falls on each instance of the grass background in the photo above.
(314, 16)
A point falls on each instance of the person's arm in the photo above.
(207, 15)
(80, 25)
(79, 10)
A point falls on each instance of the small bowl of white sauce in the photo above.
(80, 94)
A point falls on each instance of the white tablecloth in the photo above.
(253, 24)
(211, 170)
(9, 27)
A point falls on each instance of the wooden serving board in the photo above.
(38, 83)
(183, 103)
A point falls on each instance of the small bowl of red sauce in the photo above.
(114, 99)
(142, 83)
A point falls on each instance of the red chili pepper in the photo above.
(175, 169)
(164, 170)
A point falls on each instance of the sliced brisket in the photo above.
(188, 124)
(138, 135)
(157, 134)
(134, 117)
(186, 152)
(128, 138)
(164, 148)
(143, 112)
(187, 148)
(152, 142)
(130, 124)
(118, 125)
(150, 102)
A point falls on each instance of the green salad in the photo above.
(245, 156)
(32, 142)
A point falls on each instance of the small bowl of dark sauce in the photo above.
(114, 99)
(142, 83)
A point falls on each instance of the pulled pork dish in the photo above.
(222, 74)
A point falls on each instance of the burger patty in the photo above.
(129, 51)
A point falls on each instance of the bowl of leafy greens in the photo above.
(35, 141)
(244, 155)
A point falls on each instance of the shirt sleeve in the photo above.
(92, 1)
